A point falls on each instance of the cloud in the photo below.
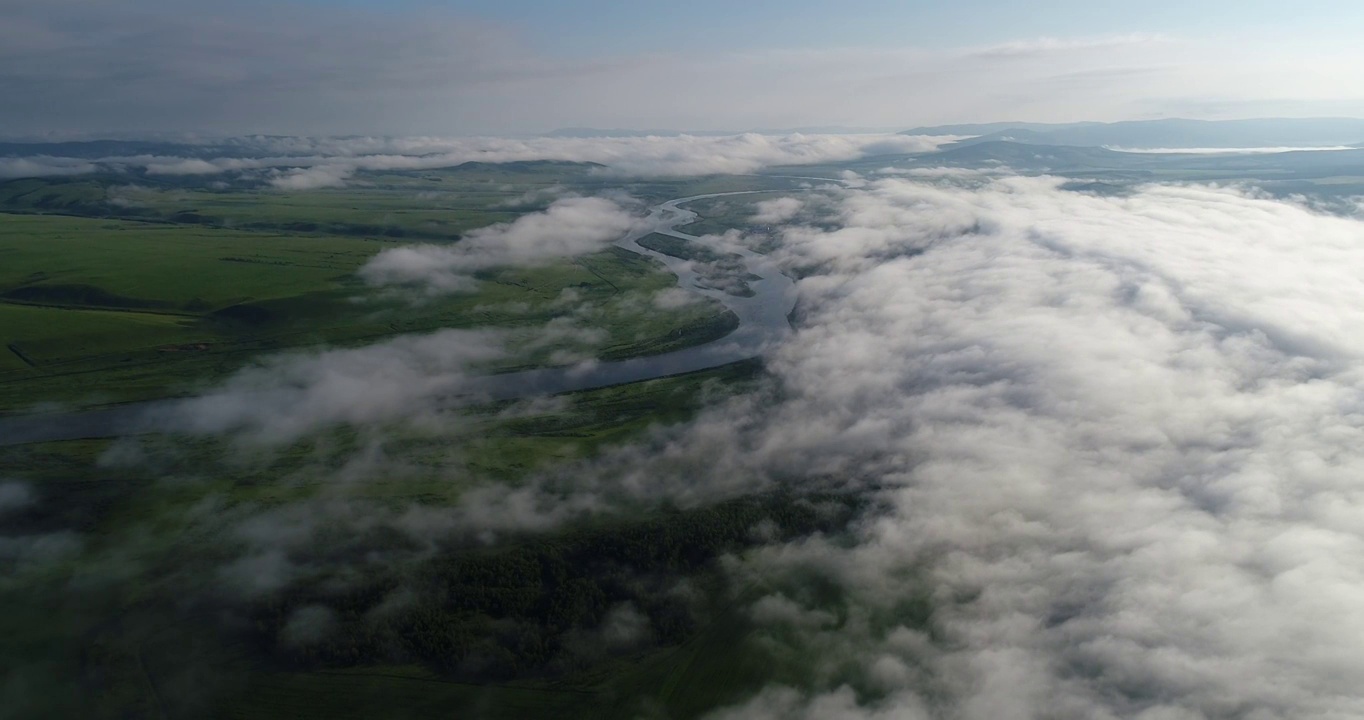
(673, 298)
(411, 380)
(21, 554)
(182, 166)
(1060, 46)
(568, 227)
(308, 625)
(337, 159)
(624, 628)
(1117, 440)
(571, 226)
(325, 176)
(777, 211)
(14, 495)
(44, 166)
(435, 269)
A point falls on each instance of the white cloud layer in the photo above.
(329, 162)
(1120, 440)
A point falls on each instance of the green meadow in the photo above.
(100, 311)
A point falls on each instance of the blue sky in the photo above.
(614, 26)
(528, 66)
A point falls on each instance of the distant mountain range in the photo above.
(1173, 133)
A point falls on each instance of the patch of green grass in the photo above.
(353, 211)
(48, 334)
(76, 196)
(52, 260)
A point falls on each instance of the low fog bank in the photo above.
(311, 163)
(1121, 440)
(410, 380)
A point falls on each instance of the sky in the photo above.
(88, 67)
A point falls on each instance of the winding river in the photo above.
(762, 322)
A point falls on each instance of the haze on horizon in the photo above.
(82, 68)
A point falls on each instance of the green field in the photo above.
(431, 205)
(98, 311)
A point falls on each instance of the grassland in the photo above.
(115, 310)
(435, 204)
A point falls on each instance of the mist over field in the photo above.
(326, 162)
(1116, 440)
(534, 360)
